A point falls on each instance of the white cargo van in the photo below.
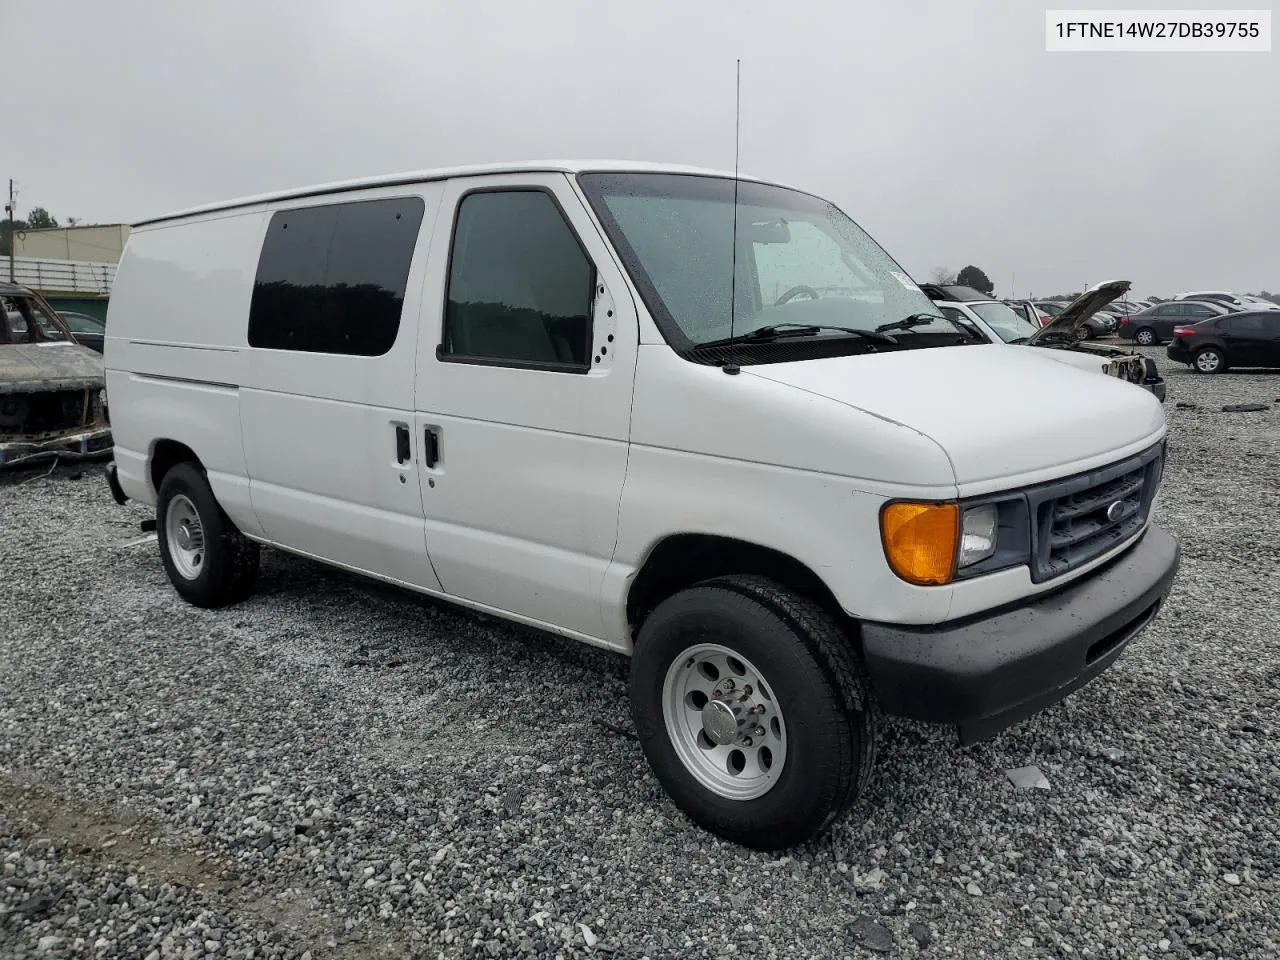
(706, 422)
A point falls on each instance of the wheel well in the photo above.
(167, 455)
(682, 560)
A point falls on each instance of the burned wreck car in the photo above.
(52, 398)
(996, 322)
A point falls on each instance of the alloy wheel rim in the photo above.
(723, 722)
(1207, 361)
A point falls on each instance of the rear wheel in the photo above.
(209, 561)
(1146, 336)
(753, 711)
(1209, 360)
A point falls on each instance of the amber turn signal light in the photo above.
(920, 540)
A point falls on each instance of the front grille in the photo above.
(52, 411)
(1080, 518)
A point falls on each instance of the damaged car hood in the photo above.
(1070, 320)
(33, 367)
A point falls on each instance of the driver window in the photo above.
(807, 255)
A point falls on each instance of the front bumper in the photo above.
(986, 673)
(1157, 387)
(89, 442)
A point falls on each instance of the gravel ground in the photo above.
(338, 769)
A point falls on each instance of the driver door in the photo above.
(523, 400)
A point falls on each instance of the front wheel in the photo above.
(209, 561)
(752, 710)
(1210, 360)
(1146, 336)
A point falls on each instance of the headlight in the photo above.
(977, 534)
(930, 544)
(920, 540)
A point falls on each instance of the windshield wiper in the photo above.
(779, 331)
(907, 323)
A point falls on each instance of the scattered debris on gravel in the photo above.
(337, 769)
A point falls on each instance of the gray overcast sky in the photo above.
(944, 128)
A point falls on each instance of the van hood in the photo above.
(1072, 320)
(997, 412)
(55, 365)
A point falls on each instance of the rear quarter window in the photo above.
(332, 278)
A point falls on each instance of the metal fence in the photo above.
(61, 276)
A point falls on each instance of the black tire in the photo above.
(817, 681)
(228, 569)
(1149, 334)
(1204, 360)
(1088, 332)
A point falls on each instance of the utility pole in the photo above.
(12, 211)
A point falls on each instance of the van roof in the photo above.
(445, 173)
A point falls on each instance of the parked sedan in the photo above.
(1250, 339)
(1127, 308)
(1098, 324)
(1257, 303)
(85, 330)
(1156, 324)
(1051, 307)
(1218, 296)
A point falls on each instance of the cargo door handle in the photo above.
(432, 441)
(403, 453)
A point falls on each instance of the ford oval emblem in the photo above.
(1114, 511)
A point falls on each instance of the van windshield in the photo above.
(800, 261)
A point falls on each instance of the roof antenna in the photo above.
(737, 125)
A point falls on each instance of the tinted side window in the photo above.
(521, 287)
(1200, 310)
(1168, 310)
(331, 279)
(1242, 323)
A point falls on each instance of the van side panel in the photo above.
(321, 429)
(175, 352)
